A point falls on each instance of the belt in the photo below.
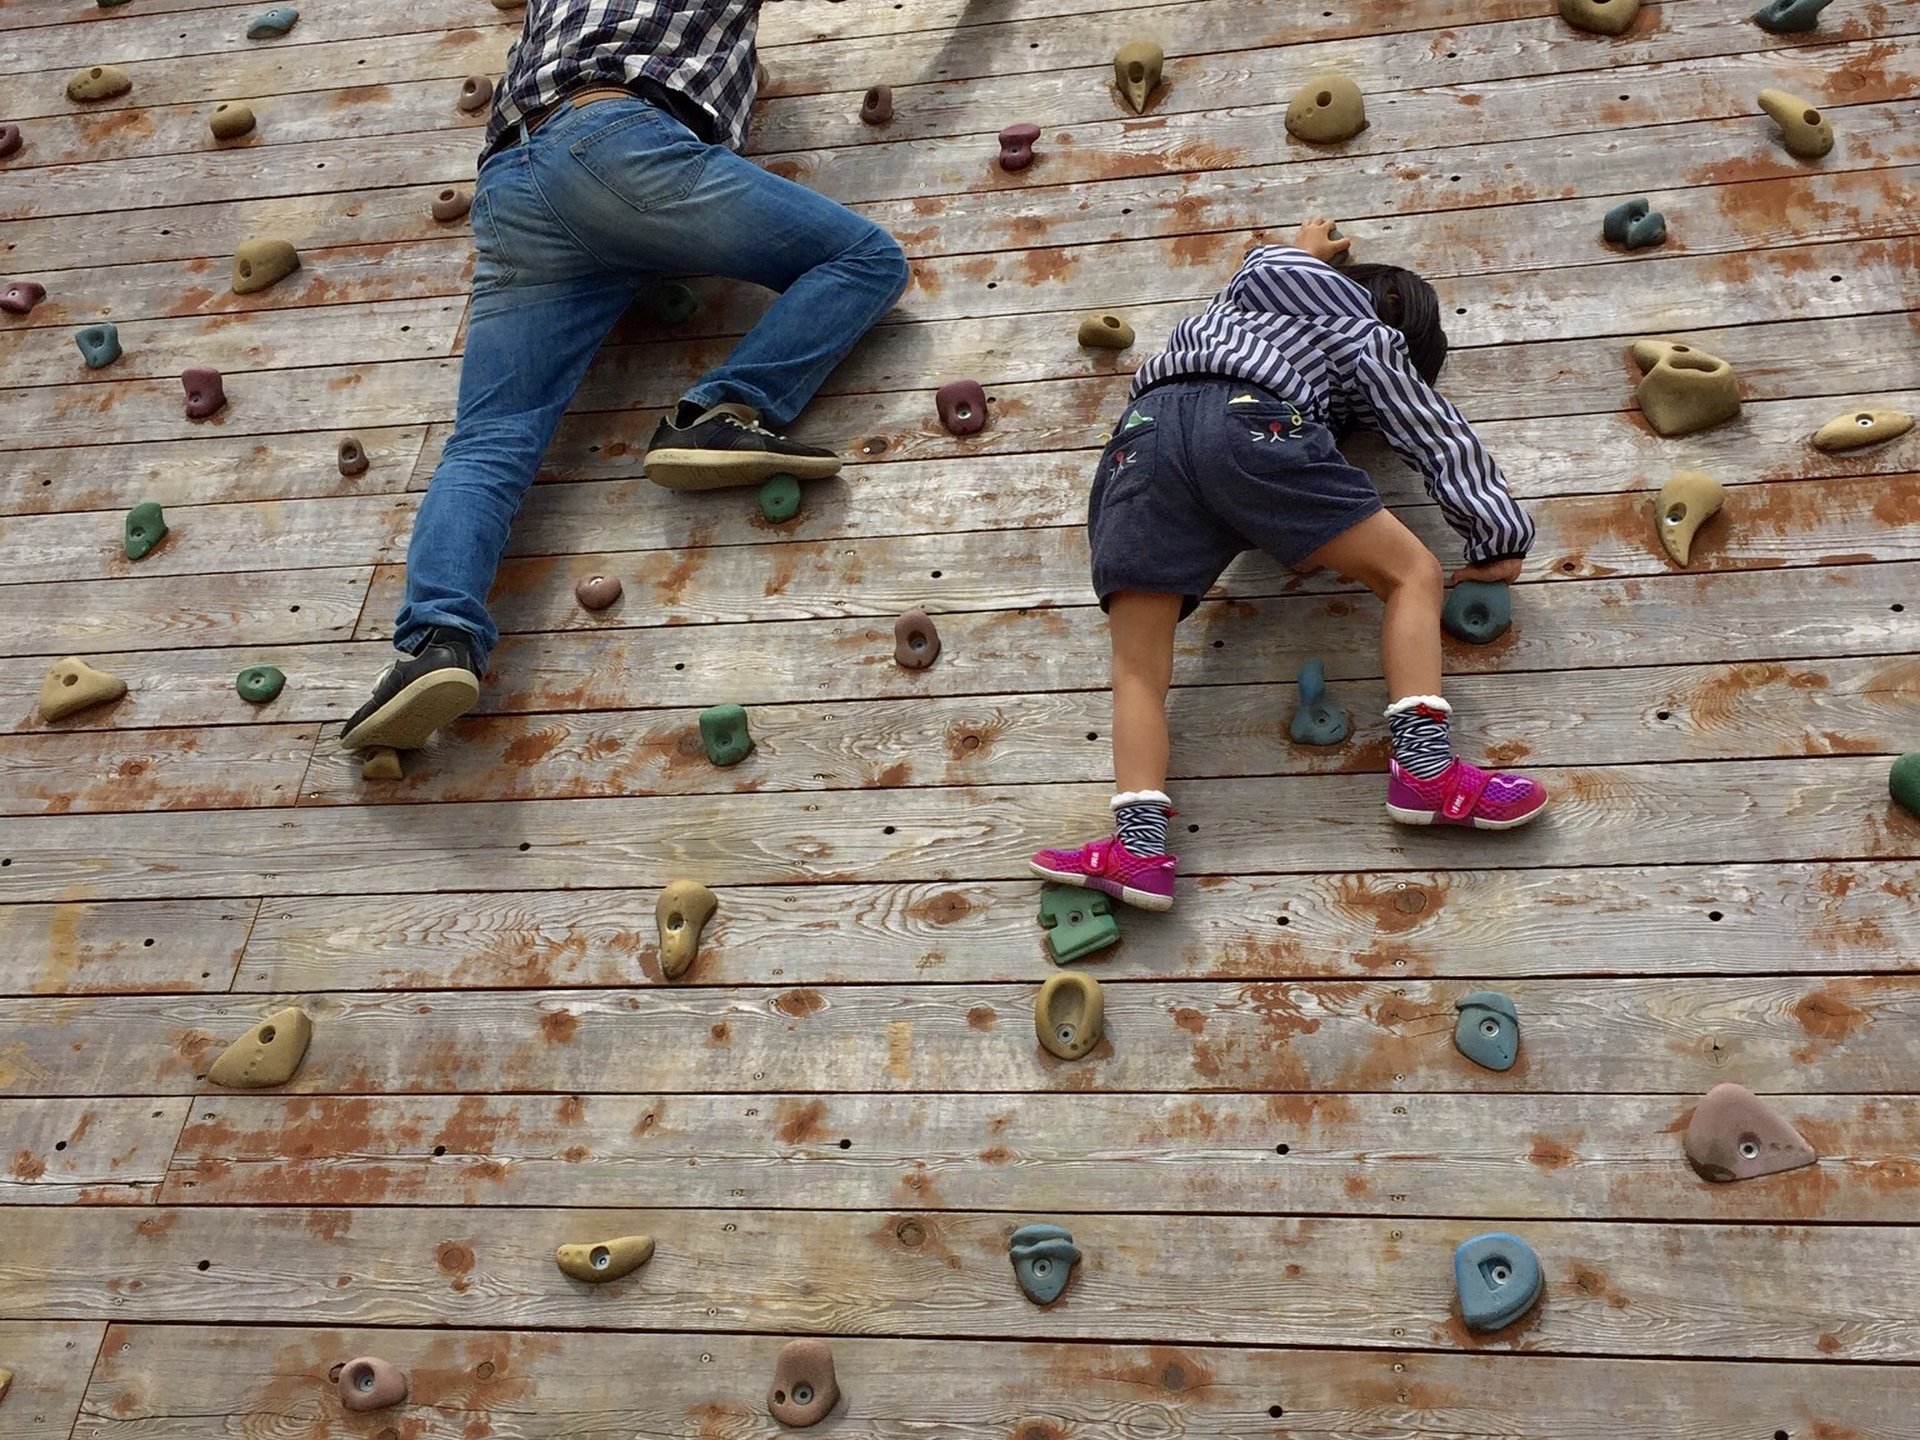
(576, 101)
(645, 88)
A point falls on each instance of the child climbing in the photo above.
(1227, 444)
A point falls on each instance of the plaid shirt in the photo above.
(702, 49)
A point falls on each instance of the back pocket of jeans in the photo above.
(644, 157)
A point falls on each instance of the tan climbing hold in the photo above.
(608, 1260)
(1070, 1014)
(1686, 502)
(99, 82)
(1602, 17)
(382, 764)
(6, 1382)
(508, 4)
(1804, 129)
(1104, 330)
(1735, 1135)
(451, 204)
(804, 1389)
(260, 263)
(72, 685)
(1326, 110)
(682, 911)
(230, 121)
(268, 1054)
(1860, 428)
(1137, 66)
(1684, 389)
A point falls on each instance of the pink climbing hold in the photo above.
(1016, 146)
(206, 393)
(20, 296)
(963, 407)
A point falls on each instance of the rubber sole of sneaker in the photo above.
(727, 469)
(435, 699)
(1432, 817)
(1138, 899)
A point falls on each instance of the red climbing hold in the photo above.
(20, 296)
(916, 644)
(963, 406)
(1016, 146)
(206, 393)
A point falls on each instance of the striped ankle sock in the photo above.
(1421, 743)
(1140, 820)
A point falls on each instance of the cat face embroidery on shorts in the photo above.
(1275, 432)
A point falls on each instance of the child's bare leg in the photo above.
(1387, 558)
(1141, 627)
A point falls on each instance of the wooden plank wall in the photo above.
(832, 1126)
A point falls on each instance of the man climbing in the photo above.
(611, 160)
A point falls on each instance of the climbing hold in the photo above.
(1634, 223)
(476, 92)
(1043, 1259)
(1136, 70)
(1682, 389)
(804, 1389)
(1318, 721)
(1686, 502)
(963, 406)
(452, 203)
(99, 82)
(268, 1054)
(1104, 330)
(20, 296)
(382, 764)
(608, 1260)
(269, 23)
(780, 499)
(1326, 110)
(1804, 130)
(671, 303)
(723, 730)
(99, 344)
(1477, 611)
(1345, 257)
(762, 77)
(1787, 17)
(1602, 17)
(1903, 781)
(371, 1384)
(352, 456)
(1498, 1279)
(1016, 146)
(260, 263)
(231, 120)
(877, 107)
(916, 644)
(145, 527)
(508, 4)
(1079, 922)
(6, 1382)
(597, 592)
(1488, 1031)
(1851, 431)
(72, 685)
(9, 139)
(680, 914)
(110, 4)
(1069, 1014)
(258, 684)
(206, 391)
(1735, 1135)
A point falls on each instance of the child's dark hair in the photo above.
(1407, 303)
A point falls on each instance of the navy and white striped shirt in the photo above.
(702, 49)
(1295, 326)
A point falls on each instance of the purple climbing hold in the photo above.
(9, 139)
(963, 407)
(20, 296)
(1016, 146)
(206, 392)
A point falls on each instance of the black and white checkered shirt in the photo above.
(702, 49)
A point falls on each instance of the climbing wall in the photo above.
(833, 1124)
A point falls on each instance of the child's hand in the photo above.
(1491, 572)
(1315, 238)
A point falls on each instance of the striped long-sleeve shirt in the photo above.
(1296, 327)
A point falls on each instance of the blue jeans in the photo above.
(568, 226)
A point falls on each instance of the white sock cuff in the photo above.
(1142, 797)
(1432, 702)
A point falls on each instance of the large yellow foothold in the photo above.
(1686, 502)
(1104, 330)
(1859, 428)
(260, 263)
(1803, 128)
(1602, 17)
(1137, 66)
(99, 82)
(268, 1054)
(607, 1260)
(72, 685)
(682, 911)
(1070, 1014)
(382, 764)
(1684, 389)
(1326, 110)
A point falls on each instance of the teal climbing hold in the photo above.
(1787, 17)
(780, 499)
(671, 303)
(269, 23)
(1903, 781)
(1488, 1032)
(1498, 1279)
(258, 684)
(1079, 922)
(1043, 1259)
(1634, 223)
(723, 730)
(145, 528)
(1477, 611)
(1318, 721)
(99, 344)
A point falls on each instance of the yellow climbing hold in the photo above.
(608, 1260)
(260, 263)
(1803, 129)
(268, 1054)
(72, 685)
(1859, 428)
(1326, 110)
(1686, 502)
(99, 82)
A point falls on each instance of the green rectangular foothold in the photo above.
(723, 730)
(1079, 922)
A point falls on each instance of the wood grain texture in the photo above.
(218, 768)
(151, 947)
(51, 1361)
(88, 1152)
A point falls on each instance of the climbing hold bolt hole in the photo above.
(1750, 1149)
(1325, 97)
(680, 667)
(1676, 512)
(1460, 310)
(293, 609)
(1715, 916)
(1663, 714)
(526, 845)
(147, 944)
(1897, 609)
(1780, 1435)
(267, 1032)
(69, 680)
(439, 1150)
(1489, 1028)
(1193, 829)
(484, 1370)
(676, 921)
(1834, 278)
(886, 830)
(204, 1265)
(935, 574)
(1282, 920)
(1274, 1410)
(1568, 566)
(59, 1144)
(1812, 117)
(846, 1144)
(600, 1258)
(1282, 1149)
(993, 284)
(1093, 734)
(1219, 644)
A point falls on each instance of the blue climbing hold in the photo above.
(1787, 17)
(1498, 1278)
(1043, 1259)
(1318, 721)
(1477, 611)
(277, 21)
(99, 344)
(1634, 223)
(1079, 922)
(1489, 1030)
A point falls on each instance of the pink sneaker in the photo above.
(1143, 881)
(1464, 794)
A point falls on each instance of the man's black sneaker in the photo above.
(728, 446)
(417, 694)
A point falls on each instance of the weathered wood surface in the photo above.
(90, 1152)
(1496, 1157)
(216, 768)
(145, 947)
(50, 1360)
(272, 607)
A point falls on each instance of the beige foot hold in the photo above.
(1104, 330)
(1684, 389)
(1070, 1014)
(804, 1389)
(260, 263)
(268, 1054)
(1803, 128)
(382, 764)
(6, 1382)
(1136, 70)
(72, 685)
(99, 82)
(1686, 502)
(1326, 110)
(682, 911)
(1860, 428)
(1602, 17)
(231, 120)
(608, 1260)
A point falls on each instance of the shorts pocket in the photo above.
(1127, 463)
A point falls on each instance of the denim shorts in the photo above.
(1200, 470)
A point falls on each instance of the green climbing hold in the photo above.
(671, 303)
(146, 527)
(258, 684)
(1634, 223)
(99, 344)
(1904, 782)
(1488, 1031)
(269, 23)
(780, 499)
(1318, 721)
(1477, 611)
(1079, 922)
(1788, 17)
(723, 730)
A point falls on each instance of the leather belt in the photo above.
(576, 100)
